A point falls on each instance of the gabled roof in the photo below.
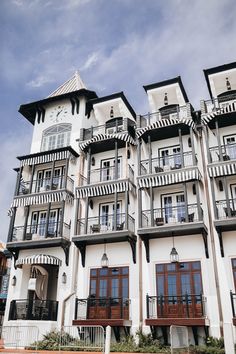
(166, 83)
(75, 83)
(217, 69)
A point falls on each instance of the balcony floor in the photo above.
(228, 224)
(103, 322)
(108, 237)
(177, 322)
(181, 229)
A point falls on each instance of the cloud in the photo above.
(39, 81)
(91, 61)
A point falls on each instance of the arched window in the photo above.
(56, 137)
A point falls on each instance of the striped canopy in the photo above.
(38, 259)
(224, 169)
(163, 179)
(52, 156)
(45, 198)
(104, 189)
(165, 123)
(231, 107)
(100, 137)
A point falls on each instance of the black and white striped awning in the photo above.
(44, 158)
(104, 189)
(100, 137)
(165, 123)
(45, 198)
(167, 178)
(230, 107)
(38, 259)
(226, 169)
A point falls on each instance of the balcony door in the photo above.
(108, 169)
(170, 157)
(107, 216)
(230, 146)
(174, 208)
(39, 220)
(43, 182)
(234, 271)
(179, 289)
(109, 293)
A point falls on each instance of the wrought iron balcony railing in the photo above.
(223, 153)
(166, 163)
(172, 215)
(106, 174)
(38, 310)
(226, 208)
(179, 112)
(227, 102)
(105, 223)
(102, 308)
(113, 126)
(40, 231)
(45, 185)
(176, 306)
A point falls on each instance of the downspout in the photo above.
(213, 247)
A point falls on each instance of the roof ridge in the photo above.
(73, 84)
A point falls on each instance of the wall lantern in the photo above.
(13, 281)
(174, 257)
(104, 259)
(64, 278)
(165, 100)
(111, 112)
(93, 161)
(228, 86)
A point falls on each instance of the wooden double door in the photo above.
(109, 293)
(179, 290)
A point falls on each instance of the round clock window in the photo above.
(58, 113)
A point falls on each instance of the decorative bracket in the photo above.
(204, 236)
(221, 244)
(132, 243)
(66, 249)
(146, 245)
(15, 254)
(82, 249)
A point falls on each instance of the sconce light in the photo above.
(93, 161)
(174, 257)
(111, 112)
(194, 189)
(165, 100)
(104, 260)
(91, 204)
(228, 86)
(189, 142)
(13, 281)
(64, 278)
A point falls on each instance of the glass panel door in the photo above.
(106, 170)
(42, 223)
(230, 143)
(168, 209)
(47, 179)
(180, 204)
(52, 223)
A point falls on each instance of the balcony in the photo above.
(39, 231)
(167, 163)
(36, 310)
(226, 215)
(188, 309)
(114, 128)
(226, 102)
(233, 303)
(182, 220)
(100, 229)
(105, 224)
(56, 234)
(112, 311)
(223, 153)
(46, 185)
(176, 112)
(106, 174)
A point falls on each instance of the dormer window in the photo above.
(56, 137)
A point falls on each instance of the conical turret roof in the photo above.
(73, 84)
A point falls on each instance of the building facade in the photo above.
(127, 220)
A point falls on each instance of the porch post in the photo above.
(126, 209)
(32, 180)
(116, 177)
(226, 196)
(193, 147)
(76, 216)
(89, 165)
(11, 227)
(66, 172)
(206, 133)
(86, 215)
(181, 148)
(151, 206)
(140, 223)
(62, 217)
(186, 202)
(218, 139)
(47, 220)
(26, 221)
(150, 153)
(19, 174)
(52, 174)
(139, 157)
(199, 209)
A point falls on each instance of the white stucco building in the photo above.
(105, 195)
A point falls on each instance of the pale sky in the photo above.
(117, 45)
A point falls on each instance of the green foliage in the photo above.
(215, 342)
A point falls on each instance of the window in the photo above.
(174, 208)
(56, 137)
(230, 146)
(107, 216)
(108, 169)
